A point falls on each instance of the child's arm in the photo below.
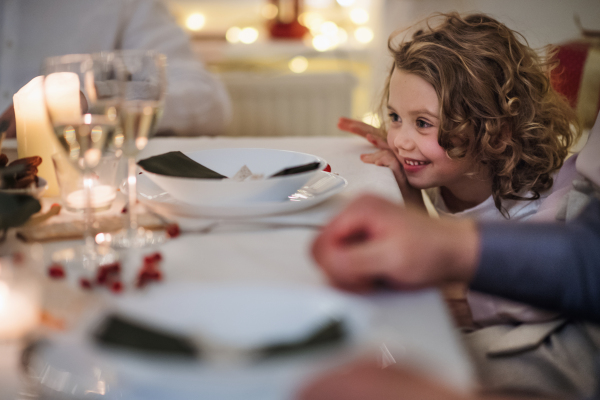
(386, 158)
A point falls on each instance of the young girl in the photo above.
(472, 118)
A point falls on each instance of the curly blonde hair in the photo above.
(497, 104)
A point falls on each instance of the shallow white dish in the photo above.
(322, 186)
(36, 191)
(228, 162)
(239, 314)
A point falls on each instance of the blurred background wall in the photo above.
(300, 86)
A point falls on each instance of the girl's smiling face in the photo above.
(414, 112)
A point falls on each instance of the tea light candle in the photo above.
(18, 313)
(35, 136)
(102, 196)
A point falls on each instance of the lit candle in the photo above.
(18, 313)
(101, 196)
(35, 136)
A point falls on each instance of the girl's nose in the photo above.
(403, 140)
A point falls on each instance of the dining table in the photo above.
(406, 327)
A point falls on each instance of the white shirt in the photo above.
(487, 309)
(30, 30)
(517, 210)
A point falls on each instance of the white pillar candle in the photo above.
(18, 312)
(63, 98)
(35, 136)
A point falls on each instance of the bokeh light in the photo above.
(363, 34)
(298, 64)
(248, 35)
(233, 34)
(195, 22)
(322, 43)
(345, 3)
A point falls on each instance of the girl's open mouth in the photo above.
(411, 165)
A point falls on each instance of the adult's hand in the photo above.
(374, 242)
(366, 380)
(367, 131)
(7, 122)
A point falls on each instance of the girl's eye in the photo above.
(394, 117)
(423, 124)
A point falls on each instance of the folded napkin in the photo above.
(175, 163)
(15, 209)
(119, 332)
(123, 333)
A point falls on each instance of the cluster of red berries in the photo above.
(109, 275)
(150, 270)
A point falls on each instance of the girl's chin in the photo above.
(420, 184)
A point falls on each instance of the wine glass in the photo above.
(143, 79)
(82, 96)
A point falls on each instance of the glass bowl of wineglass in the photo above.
(82, 96)
(143, 80)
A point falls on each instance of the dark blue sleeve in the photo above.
(551, 266)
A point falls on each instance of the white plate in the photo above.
(321, 187)
(228, 162)
(243, 315)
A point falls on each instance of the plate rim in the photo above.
(242, 210)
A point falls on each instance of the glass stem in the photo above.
(132, 193)
(88, 217)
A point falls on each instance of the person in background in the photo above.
(196, 102)
(372, 241)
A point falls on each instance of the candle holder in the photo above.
(72, 183)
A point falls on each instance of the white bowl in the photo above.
(229, 161)
(36, 191)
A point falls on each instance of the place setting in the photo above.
(235, 182)
(232, 341)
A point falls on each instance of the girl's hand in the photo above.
(367, 131)
(386, 158)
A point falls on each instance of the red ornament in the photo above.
(327, 168)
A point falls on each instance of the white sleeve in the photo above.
(196, 102)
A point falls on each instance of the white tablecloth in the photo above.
(418, 320)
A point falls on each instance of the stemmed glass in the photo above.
(83, 95)
(143, 79)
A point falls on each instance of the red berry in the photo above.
(124, 210)
(56, 271)
(116, 287)
(153, 258)
(173, 230)
(114, 267)
(327, 168)
(85, 283)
